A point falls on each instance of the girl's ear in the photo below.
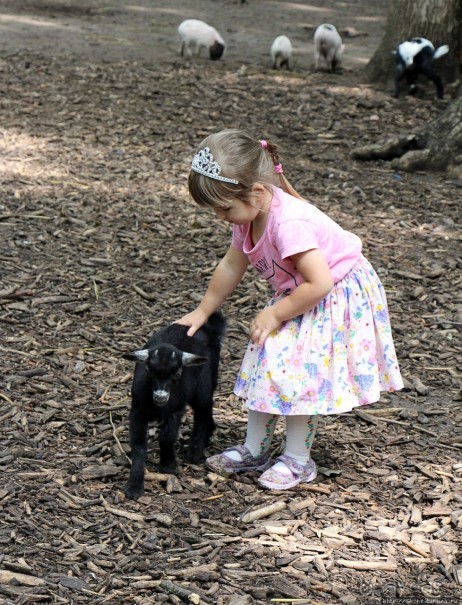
(259, 192)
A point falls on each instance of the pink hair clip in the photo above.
(278, 168)
(264, 144)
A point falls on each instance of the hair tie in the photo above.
(264, 144)
(278, 168)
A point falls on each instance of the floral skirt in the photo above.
(337, 356)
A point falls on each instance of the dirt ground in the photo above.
(100, 245)
(145, 31)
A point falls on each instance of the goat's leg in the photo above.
(168, 436)
(428, 70)
(139, 445)
(317, 60)
(330, 58)
(399, 73)
(203, 427)
(411, 78)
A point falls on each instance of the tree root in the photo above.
(407, 153)
(414, 160)
(387, 150)
(438, 146)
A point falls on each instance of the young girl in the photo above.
(323, 343)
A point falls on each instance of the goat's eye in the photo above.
(177, 375)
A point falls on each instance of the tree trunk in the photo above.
(437, 147)
(440, 21)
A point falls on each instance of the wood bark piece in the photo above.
(284, 586)
(265, 511)
(7, 577)
(415, 548)
(122, 513)
(192, 572)
(368, 565)
(183, 592)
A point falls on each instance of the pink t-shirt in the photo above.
(295, 226)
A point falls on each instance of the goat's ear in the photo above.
(140, 355)
(189, 359)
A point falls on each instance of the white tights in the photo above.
(300, 432)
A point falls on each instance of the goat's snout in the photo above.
(161, 396)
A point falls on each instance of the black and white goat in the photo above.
(171, 371)
(416, 56)
(199, 34)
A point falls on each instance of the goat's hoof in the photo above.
(168, 469)
(195, 457)
(133, 492)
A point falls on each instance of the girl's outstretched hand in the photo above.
(195, 320)
(263, 324)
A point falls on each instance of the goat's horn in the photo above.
(142, 354)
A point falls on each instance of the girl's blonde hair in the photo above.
(241, 158)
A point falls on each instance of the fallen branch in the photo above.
(151, 476)
(415, 548)
(183, 593)
(7, 577)
(114, 434)
(145, 295)
(6, 398)
(368, 565)
(195, 571)
(265, 511)
(319, 489)
(121, 513)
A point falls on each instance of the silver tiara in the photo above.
(203, 164)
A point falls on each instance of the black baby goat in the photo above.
(171, 371)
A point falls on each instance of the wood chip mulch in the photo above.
(100, 245)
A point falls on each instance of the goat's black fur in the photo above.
(423, 63)
(172, 371)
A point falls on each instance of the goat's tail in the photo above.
(217, 324)
(441, 51)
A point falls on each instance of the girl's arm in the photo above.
(226, 277)
(313, 266)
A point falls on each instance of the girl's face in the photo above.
(237, 212)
